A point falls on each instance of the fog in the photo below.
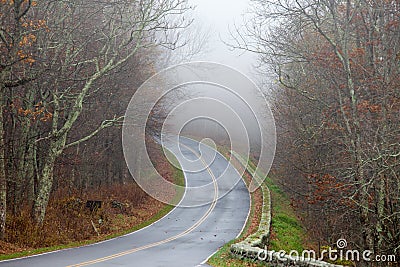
(219, 18)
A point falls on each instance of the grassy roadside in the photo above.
(178, 178)
(286, 230)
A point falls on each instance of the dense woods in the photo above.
(337, 105)
(67, 72)
(69, 68)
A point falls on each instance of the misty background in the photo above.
(214, 26)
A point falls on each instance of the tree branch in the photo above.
(103, 125)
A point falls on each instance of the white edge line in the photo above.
(104, 241)
(250, 198)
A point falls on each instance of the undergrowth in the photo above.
(69, 223)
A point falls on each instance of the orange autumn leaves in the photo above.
(325, 187)
(26, 41)
(37, 112)
(25, 2)
(20, 46)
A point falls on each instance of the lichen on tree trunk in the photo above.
(3, 182)
(46, 181)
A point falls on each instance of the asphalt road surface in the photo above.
(187, 236)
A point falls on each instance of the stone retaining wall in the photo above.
(252, 246)
(261, 237)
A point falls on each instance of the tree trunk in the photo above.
(46, 180)
(29, 168)
(3, 181)
(25, 168)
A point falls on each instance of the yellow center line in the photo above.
(194, 226)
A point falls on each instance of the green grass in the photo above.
(288, 234)
(179, 179)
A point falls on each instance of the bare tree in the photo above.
(60, 55)
(17, 36)
(340, 56)
(85, 42)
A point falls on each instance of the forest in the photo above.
(334, 68)
(68, 70)
(329, 68)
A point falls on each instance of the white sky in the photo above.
(217, 17)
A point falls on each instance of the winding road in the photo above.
(187, 236)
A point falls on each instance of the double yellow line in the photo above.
(194, 226)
